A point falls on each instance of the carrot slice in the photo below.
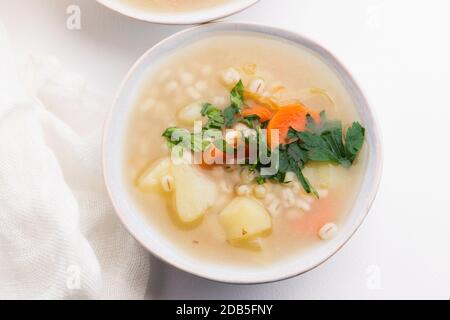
(289, 116)
(262, 112)
(311, 222)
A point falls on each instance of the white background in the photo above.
(399, 50)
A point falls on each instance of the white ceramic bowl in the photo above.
(191, 17)
(159, 244)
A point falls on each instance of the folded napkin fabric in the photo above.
(59, 235)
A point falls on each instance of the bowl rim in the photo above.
(182, 18)
(281, 34)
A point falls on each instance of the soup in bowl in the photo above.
(177, 11)
(241, 153)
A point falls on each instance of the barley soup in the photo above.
(216, 204)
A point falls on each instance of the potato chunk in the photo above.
(326, 175)
(150, 179)
(318, 174)
(244, 218)
(194, 193)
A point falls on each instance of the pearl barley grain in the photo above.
(257, 86)
(328, 231)
(231, 76)
(290, 177)
(171, 86)
(243, 190)
(260, 191)
(193, 93)
(190, 113)
(288, 198)
(275, 208)
(303, 205)
(186, 78)
(206, 70)
(225, 187)
(167, 183)
(201, 85)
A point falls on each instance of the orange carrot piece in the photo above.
(311, 222)
(289, 116)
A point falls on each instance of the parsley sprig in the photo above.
(327, 143)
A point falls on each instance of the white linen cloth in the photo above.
(59, 235)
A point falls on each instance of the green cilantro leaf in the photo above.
(229, 114)
(215, 117)
(237, 101)
(354, 140)
(237, 95)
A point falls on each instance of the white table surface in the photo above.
(399, 50)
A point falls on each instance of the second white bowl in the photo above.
(186, 17)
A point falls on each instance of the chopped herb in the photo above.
(237, 95)
(229, 114)
(175, 135)
(237, 101)
(305, 182)
(215, 117)
(325, 143)
(297, 154)
(354, 140)
(292, 158)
